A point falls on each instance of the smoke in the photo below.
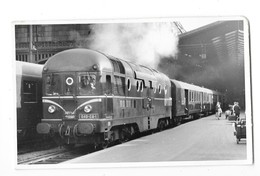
(142, 43)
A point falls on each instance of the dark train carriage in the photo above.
(210, 99)
(92, 98)
(29, 99)
(186, 100)
(191, 101)
(208, 106)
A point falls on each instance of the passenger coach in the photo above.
(190, 101)
(29, 99)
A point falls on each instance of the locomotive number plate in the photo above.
(88, 116)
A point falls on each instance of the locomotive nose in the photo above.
(43, 128)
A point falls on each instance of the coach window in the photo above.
(30, 91)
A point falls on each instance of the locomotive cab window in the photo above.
(87, 84)
(108, 86)
(52, 84)
(119, 88)
(69, 85)
(30, 91)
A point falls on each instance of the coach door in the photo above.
(149, 106)
(30, 103)
(201, 101)
(186, 109)
(109, 100)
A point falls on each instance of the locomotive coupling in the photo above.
(76, 130)
(43, 128)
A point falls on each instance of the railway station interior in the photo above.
(211, 56)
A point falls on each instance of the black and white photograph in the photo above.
(133, 91)
(129, 88)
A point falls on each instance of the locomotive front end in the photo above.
(73, 100)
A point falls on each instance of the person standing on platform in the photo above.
(218, 110)
(236, 110)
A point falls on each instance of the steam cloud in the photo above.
(142, 43)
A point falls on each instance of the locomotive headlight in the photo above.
(87, 108)
(52, 109)
(95, 67)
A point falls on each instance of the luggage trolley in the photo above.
(240, 129)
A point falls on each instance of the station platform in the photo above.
(205, 139)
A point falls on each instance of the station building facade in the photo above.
(36, 43)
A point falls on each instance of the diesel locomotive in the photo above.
(29, 99)
(93, 98)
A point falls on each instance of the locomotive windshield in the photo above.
(88, 84)
(52, 84)
(72, 84)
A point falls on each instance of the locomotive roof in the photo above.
(140, 71)
(78, 60)
(83, 60)
(28, 69)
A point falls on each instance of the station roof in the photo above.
(225, 37)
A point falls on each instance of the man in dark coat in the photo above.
(237, 109)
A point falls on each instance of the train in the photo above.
(93, 98)
(28, 100)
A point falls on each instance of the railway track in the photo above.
(57, 156)
(35, 145)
